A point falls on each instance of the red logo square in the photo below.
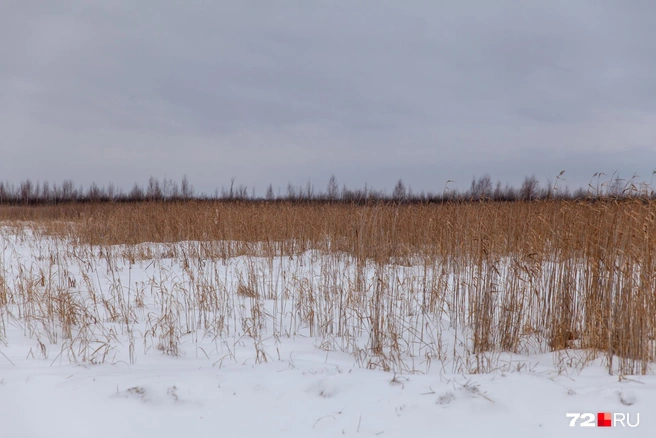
(604, 419)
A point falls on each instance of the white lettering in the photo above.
(628, 416)
(574, 417)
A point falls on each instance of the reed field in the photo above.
(400, 287)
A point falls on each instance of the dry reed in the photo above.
(515, 277)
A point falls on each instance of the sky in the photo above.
(282, 92)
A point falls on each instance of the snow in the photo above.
(116, 379)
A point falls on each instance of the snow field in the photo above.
(167, 340)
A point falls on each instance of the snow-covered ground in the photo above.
(163, 341)
(307, 394)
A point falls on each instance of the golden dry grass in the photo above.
(563, 274)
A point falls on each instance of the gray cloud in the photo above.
(293, 91)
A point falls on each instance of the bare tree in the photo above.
(186, 188)
(68, 191)
(530, 188)
(94, 192)
(291, 192)
(400, 191)
(333, 188)
(45, 191)
(111, 192)
(136, 194)
(241, 193)
(498, 191)
(154, 190)
(481, 188)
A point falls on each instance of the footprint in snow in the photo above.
(135, 393)
(627, 398)
(323, 388)
(148, 396)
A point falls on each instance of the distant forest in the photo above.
(482, 189)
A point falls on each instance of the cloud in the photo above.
(372, 91)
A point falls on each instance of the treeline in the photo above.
(482, 189)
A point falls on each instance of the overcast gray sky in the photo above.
(291, 91)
